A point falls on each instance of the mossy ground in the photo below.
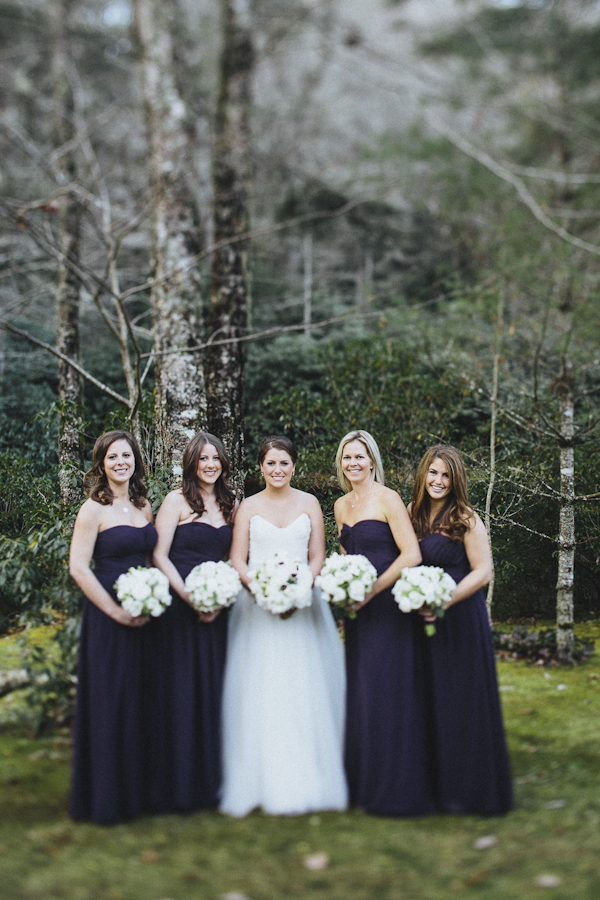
(552, 719)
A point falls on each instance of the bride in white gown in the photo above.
(284, 691)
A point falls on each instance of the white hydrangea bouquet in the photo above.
(346, 579)
(212, 586)
(143, 591)
(280, 585)
(424, 586)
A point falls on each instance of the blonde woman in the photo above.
(386, 742)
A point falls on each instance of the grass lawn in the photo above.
(548, 847)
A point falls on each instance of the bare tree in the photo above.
(175, 284)
(228, 315)
(70, 451)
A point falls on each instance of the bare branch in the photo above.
(502, 172)
(66, 359)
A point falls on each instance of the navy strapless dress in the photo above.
(187, 661)
(110, 734)
(388, 756)
(472, 773)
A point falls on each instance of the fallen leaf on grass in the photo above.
(149, 856)
(555, 804)
(548, 881)
(488, 840)
(475, 878)
(593, 676)
(316, 861)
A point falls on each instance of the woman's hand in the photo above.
(208, 617)
(125, 618)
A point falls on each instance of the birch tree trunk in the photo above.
(565, 635)
(228, 316)
(70, 389)
(176, 301)
(494, 418)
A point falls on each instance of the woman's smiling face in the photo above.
(438, 481)
(277, 468)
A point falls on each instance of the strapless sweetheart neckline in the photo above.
(208, 525)
(279, 527)
(135, 527)
(360, 522)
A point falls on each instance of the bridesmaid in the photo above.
(470, 767)
(114, 527)
(386, 763)
(194, 525)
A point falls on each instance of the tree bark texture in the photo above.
(228, 316)
(176, 294)
(70, 389)
(565, 635)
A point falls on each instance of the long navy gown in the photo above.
(472, 773)
(109, 781)
(187, 661)
(388, 755)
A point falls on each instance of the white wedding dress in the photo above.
(283, 697)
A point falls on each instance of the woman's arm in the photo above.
(396, 515)
(479, 555)
(85, 532)
(316, 543)
(240, 543)
(339, 518)
(167, 520)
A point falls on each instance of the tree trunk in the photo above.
(176, 302)
(307, 282)
(228, 317)
(565, 635)
(70, 450)
(494, 418)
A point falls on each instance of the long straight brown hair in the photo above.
(452, 519)
(95, 480)
(190, 487)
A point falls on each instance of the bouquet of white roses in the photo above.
(280, 584)
(213, 585)
(143, 592)
(346, 579)
(424, 586)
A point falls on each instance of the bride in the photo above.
(284, 692)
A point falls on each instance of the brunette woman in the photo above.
(194, 525)
(386, 747)
(470, 765)
(114, 528)
(283, 704)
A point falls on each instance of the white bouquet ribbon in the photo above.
(280, 584)
(424, 586)
(143, 591)
(346, 579)
(212, 586)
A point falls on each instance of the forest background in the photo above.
(303, 217)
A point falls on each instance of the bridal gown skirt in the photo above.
(283, 706)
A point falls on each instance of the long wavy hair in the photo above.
(191, 488)
(370, 445)
(452, 519)
(95, 481)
